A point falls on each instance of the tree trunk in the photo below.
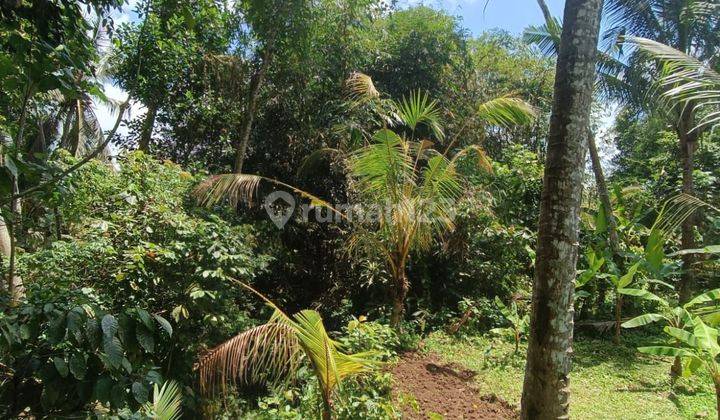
(545, 11)
(401, 290)
(618, 316)
(676, 369)
(604, 195)
(147, 128)
(75, 142)
(716, 380)
(688, 144)
(246, 130)
(546, 389)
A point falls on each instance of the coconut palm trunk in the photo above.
(546, 387)
(688, 145)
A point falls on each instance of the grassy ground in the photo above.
(607, 382)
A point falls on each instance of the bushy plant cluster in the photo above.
(135, 265)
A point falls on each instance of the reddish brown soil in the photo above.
(444, 389)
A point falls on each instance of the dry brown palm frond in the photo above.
(236, 188)
(262, 355)
(360, 85)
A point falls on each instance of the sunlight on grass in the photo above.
(608, 381)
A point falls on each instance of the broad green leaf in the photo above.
(146, 319)
(629, 276)
(140, 392)
(164, 324)
(78, 366)
(711, 249)
(681, 335)
(666, 351)
(642, 320)
(707, 337)
(145, 339)
(61, 366)
(654, 252)
(601, 220)
(691, 365)
(109, 325)
(113, 351)
(704, 298)
(643, 294)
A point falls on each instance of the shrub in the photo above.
(133, 249)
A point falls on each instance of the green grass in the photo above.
(607, 381)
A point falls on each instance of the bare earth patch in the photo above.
(445, 389)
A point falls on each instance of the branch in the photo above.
(62, 175)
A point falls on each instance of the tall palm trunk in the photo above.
(546, 387)
(256, 83)
(401, 288)
(688, 145)
(147, 127)
(613, 238)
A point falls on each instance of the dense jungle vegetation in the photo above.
(344, 209)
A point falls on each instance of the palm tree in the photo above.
(547, 38)
(74, 111)
(273, 351)
(693, 28)
(685, 81)
(546, 386)
(415, 184)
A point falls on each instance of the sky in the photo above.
(482, 15)
(476, 15)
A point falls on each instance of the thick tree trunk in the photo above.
(147, 128)
(688, 144)
(402, 286)
(546, 389)
(246, 130)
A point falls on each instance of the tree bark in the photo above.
(147, 128)
(546, 389)
(545, 10)
(256, 83)
(402, 286)
(688, 145)
(716, 381)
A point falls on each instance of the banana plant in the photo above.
(681, 316)
(272, 352)
(698, 348)
(519, 326)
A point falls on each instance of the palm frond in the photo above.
(167, 401)
(546, 37)
(676, 210)
(484, 161)
(383, 168)
(360, 85)
(236, 188)
(420, 109)
(507, 112)
(262, 355)
(243, 188)
(685, 80)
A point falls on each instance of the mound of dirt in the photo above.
(445, 389)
